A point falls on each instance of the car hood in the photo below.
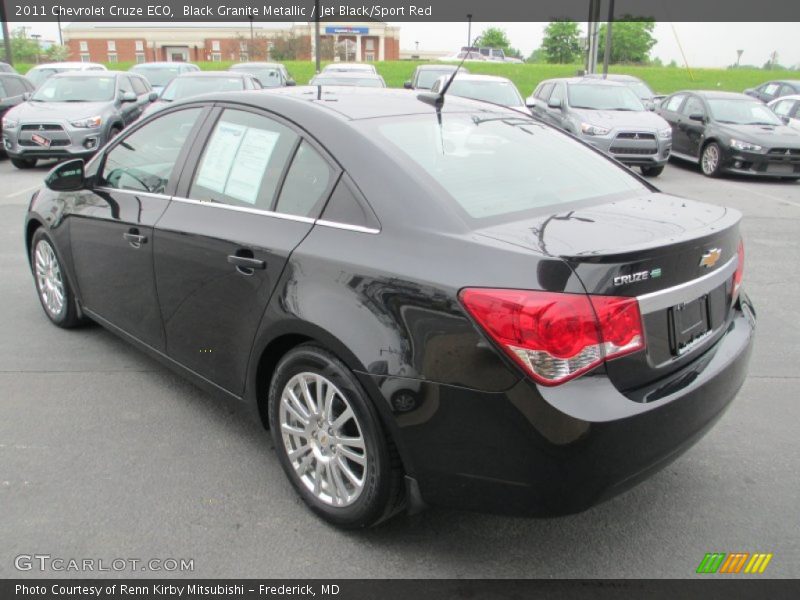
(58, 110)
(621, 118)
(763, 135)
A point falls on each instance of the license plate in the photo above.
(688, 324)
(780, 168)
(41, 140)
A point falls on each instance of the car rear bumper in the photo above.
(548, 451)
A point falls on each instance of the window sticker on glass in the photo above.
(250, 164)
(220, 155)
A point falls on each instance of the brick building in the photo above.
(148, 42)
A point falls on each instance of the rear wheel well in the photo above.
(270, 358)
(33, 225)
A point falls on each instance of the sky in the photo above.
(705, 44)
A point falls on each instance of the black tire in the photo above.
(67, 317)
(23, 163)
(382, 493)
(708, 166)
(652, 171)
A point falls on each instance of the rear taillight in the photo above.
(739, 274)
(556, 337)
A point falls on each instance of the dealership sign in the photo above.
(342, 30)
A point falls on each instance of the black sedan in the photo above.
(767, 92)
(13, 91)
(728, 132)
(427, 305)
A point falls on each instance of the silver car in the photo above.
(486, 88)
(71, 115)
(607, 115)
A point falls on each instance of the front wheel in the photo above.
(711, 160)
(330, 441)
(23, 163)
(652, 171)
(52, 286)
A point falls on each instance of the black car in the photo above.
(13, 90)
(448, 305)
(729, 132)
(774, 89)
(426, 75)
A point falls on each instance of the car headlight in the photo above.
(9, 123)
(665, 134)
(746, 146)
(589, 129)
(87, 122)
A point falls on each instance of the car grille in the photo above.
(635, 135)
(623, 150)
(53, 143)
(787, 152)
(42, 127)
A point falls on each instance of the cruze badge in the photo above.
(710, 258)
(638, 276)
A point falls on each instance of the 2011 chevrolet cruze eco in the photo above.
(428, 304)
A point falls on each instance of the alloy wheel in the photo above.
(710, 159)
(49, 279)
(323, 439)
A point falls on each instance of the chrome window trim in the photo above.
(685, 292)
(110, 190)
(244, 209)
(347, 227)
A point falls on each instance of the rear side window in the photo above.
(498, 164)
(144, 160)
(347, 207)
(243, 161)
(307, 184)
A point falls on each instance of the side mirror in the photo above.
(128, 97)
(66, 177)
(407, 85)
(554, 103)
(786, 120)
(530, 102)
(697, 117)
(291, 83)
(27, 96)
(153, 96)
(649, 105)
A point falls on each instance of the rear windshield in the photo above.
(268, 77)
(496, 92)
(603, 97)
(37, 76)
(158, 76)
(492, 165)
(184, 87)
(427, 78)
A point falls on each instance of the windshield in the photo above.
(37, 76)
(350, 81)
(499, 165)
(184, 87)
(603, 97)
(427, 78)
(76, 88)
(158, 76)
(742, 112)
(497, 92)
(268, 77)
(641, 90)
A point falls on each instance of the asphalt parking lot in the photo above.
(106, 454)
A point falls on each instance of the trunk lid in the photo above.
(675, 255)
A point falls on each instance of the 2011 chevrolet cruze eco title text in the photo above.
(451, 305)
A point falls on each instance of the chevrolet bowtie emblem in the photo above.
(710, 258)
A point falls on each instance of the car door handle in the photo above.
(246, 264)
(134, 238)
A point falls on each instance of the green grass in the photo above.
(663, 80)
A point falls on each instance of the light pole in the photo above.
(36, 37)
(739, 56)
(469, 31)
(316, 36)
(60, 37)
(251, 48)
(609, 24)
(6, 39)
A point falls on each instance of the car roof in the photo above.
(437, 67)
(585, 81)
(613, 77)
(211, 74)
(787, 97)
(349, 103)
(709, 94)
(789, 81)
(350, 75)
(479, 77)
(266, 65)
(83, 74)
(68, 64)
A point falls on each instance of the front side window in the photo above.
(783, 108)
(694, 106)
(307, 183)
(674, 103)
(495, 165)
(144, 160)
(558, 93)
(243, 161)
(545, 91)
